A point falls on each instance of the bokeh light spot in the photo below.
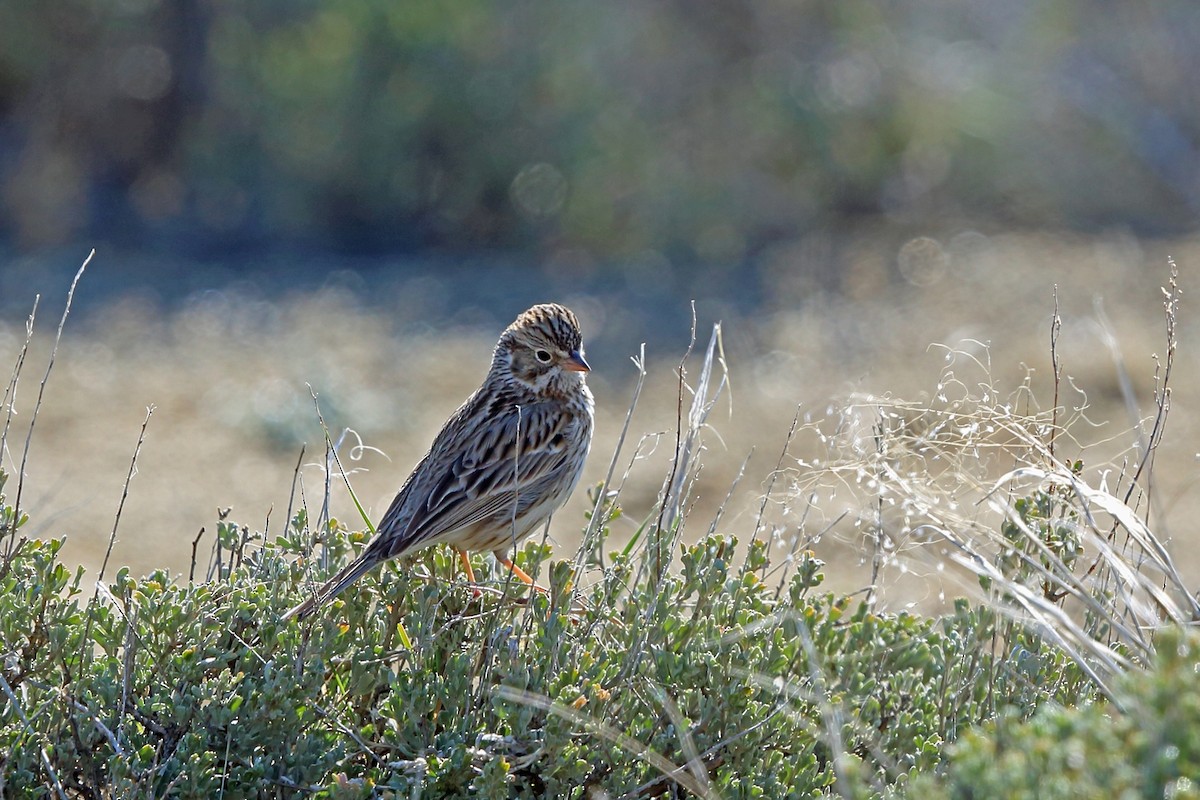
(539, 190)
(922, 261)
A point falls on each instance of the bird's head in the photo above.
(543, 349)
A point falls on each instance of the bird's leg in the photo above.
(520, 573)
(524, 576)
(466, 562)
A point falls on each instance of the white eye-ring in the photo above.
(543, 356)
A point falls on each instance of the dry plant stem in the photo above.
(766, 498)
(688, 744)
(1054, 624)
(10, 398)
(527, 620)
(1134, 585)
(737, 480)
(130, 634)
(1145, 602)
(10, 554)
(112, 538)
(877, 539)
(292, 494)
(128, 661)
(215, 563)
(1056, 365)
(42, 386)
(266, 531)
(1063, 577)
(687, 445)
(1147, 445)
(225, 768)
(651, 788)
(1162, 390)
(1150, 545)
(831, 716)
(593, 527)
(680, 775)
(782, 568)
(10, 392)
(129, 630)
(101, 727)
(671, 477)
(675, 490)
(195, 544)
(655, 540)
(331, 454)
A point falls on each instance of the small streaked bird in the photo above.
(502, 464)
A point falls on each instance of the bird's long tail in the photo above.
(334, 586)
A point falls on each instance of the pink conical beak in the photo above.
(575, 363)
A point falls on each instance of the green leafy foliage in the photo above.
(1146, 745)
(1043, 529)
(622, 678)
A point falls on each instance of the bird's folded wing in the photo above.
(503, 463)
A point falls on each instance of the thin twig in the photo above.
(687, 451)
(331, 452)
(10, 392)
(1124, 381)
(762, 507)
(292, 494)
(195, 544)
(1055, 330)
(695, 764)
(125, 493)
(670, 485)
(42, 387)
(1162, 395)
(878, 538)
(101, 727)
(593, 526)
(675, 491)
(737, 480)
(129, 665)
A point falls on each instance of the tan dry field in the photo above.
(228, 382)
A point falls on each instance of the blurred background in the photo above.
(359, 196)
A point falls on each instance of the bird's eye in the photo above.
(543, 356)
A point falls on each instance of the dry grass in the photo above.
(229, 381)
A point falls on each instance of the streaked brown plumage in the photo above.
(504, 462)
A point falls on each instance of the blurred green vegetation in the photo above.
(1146, 745)
(578, 131)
